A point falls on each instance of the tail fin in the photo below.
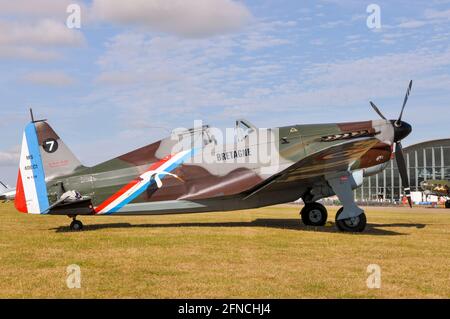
(44, 156)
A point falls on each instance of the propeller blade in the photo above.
(377, 110)
(404, 101)
(401, 164)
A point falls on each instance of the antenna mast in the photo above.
(32, 117)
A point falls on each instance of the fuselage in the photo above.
(8, 195)
(191, 172)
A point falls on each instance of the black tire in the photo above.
(447, 204)
(353, 225)
(76, 225)
(314, 214)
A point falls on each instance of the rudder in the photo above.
(44, 156)
(31, 195)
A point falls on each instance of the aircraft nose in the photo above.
(401, 130)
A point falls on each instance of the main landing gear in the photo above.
(350, 218)
(76, 225)
(352, 224)
(314, 214)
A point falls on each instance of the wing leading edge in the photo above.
(331, 160)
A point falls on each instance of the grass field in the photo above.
(264, 253)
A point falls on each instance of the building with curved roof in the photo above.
(426, 160)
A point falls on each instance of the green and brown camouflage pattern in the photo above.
(302, 158)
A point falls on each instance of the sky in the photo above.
(137, 69)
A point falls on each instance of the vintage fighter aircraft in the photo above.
(176, 175)
(439, 188)
(7, 193)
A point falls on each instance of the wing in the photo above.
(313, 168)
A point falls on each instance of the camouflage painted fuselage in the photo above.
(171, 176)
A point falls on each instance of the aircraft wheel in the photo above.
(76, 225)
(355, 224)
(314, 214)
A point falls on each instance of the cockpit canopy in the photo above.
(243, 129)
(204, 135)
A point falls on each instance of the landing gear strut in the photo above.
(76, 225)
(314, 214)
(354, 224)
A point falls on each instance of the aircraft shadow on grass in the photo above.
(287, 224)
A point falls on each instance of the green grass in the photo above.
(261, 253)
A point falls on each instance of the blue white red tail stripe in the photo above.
(136, 187)
(32, 195)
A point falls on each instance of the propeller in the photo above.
(401, 130)
(404, 103)
(378, 110)
(401, 164)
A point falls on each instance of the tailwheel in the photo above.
(314, 214)
(354, 224)
(76, 225)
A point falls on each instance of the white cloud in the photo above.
(382, 69)
(42, 33)
(437, 14)
(36, 40)
(27, 53)
(35, 8)
(10, 157)
(412, 24)
(258, 41)
(193, 18)
(116, 78)
(177, 79)
(183, 79)
(49, 78)
(431, 16)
